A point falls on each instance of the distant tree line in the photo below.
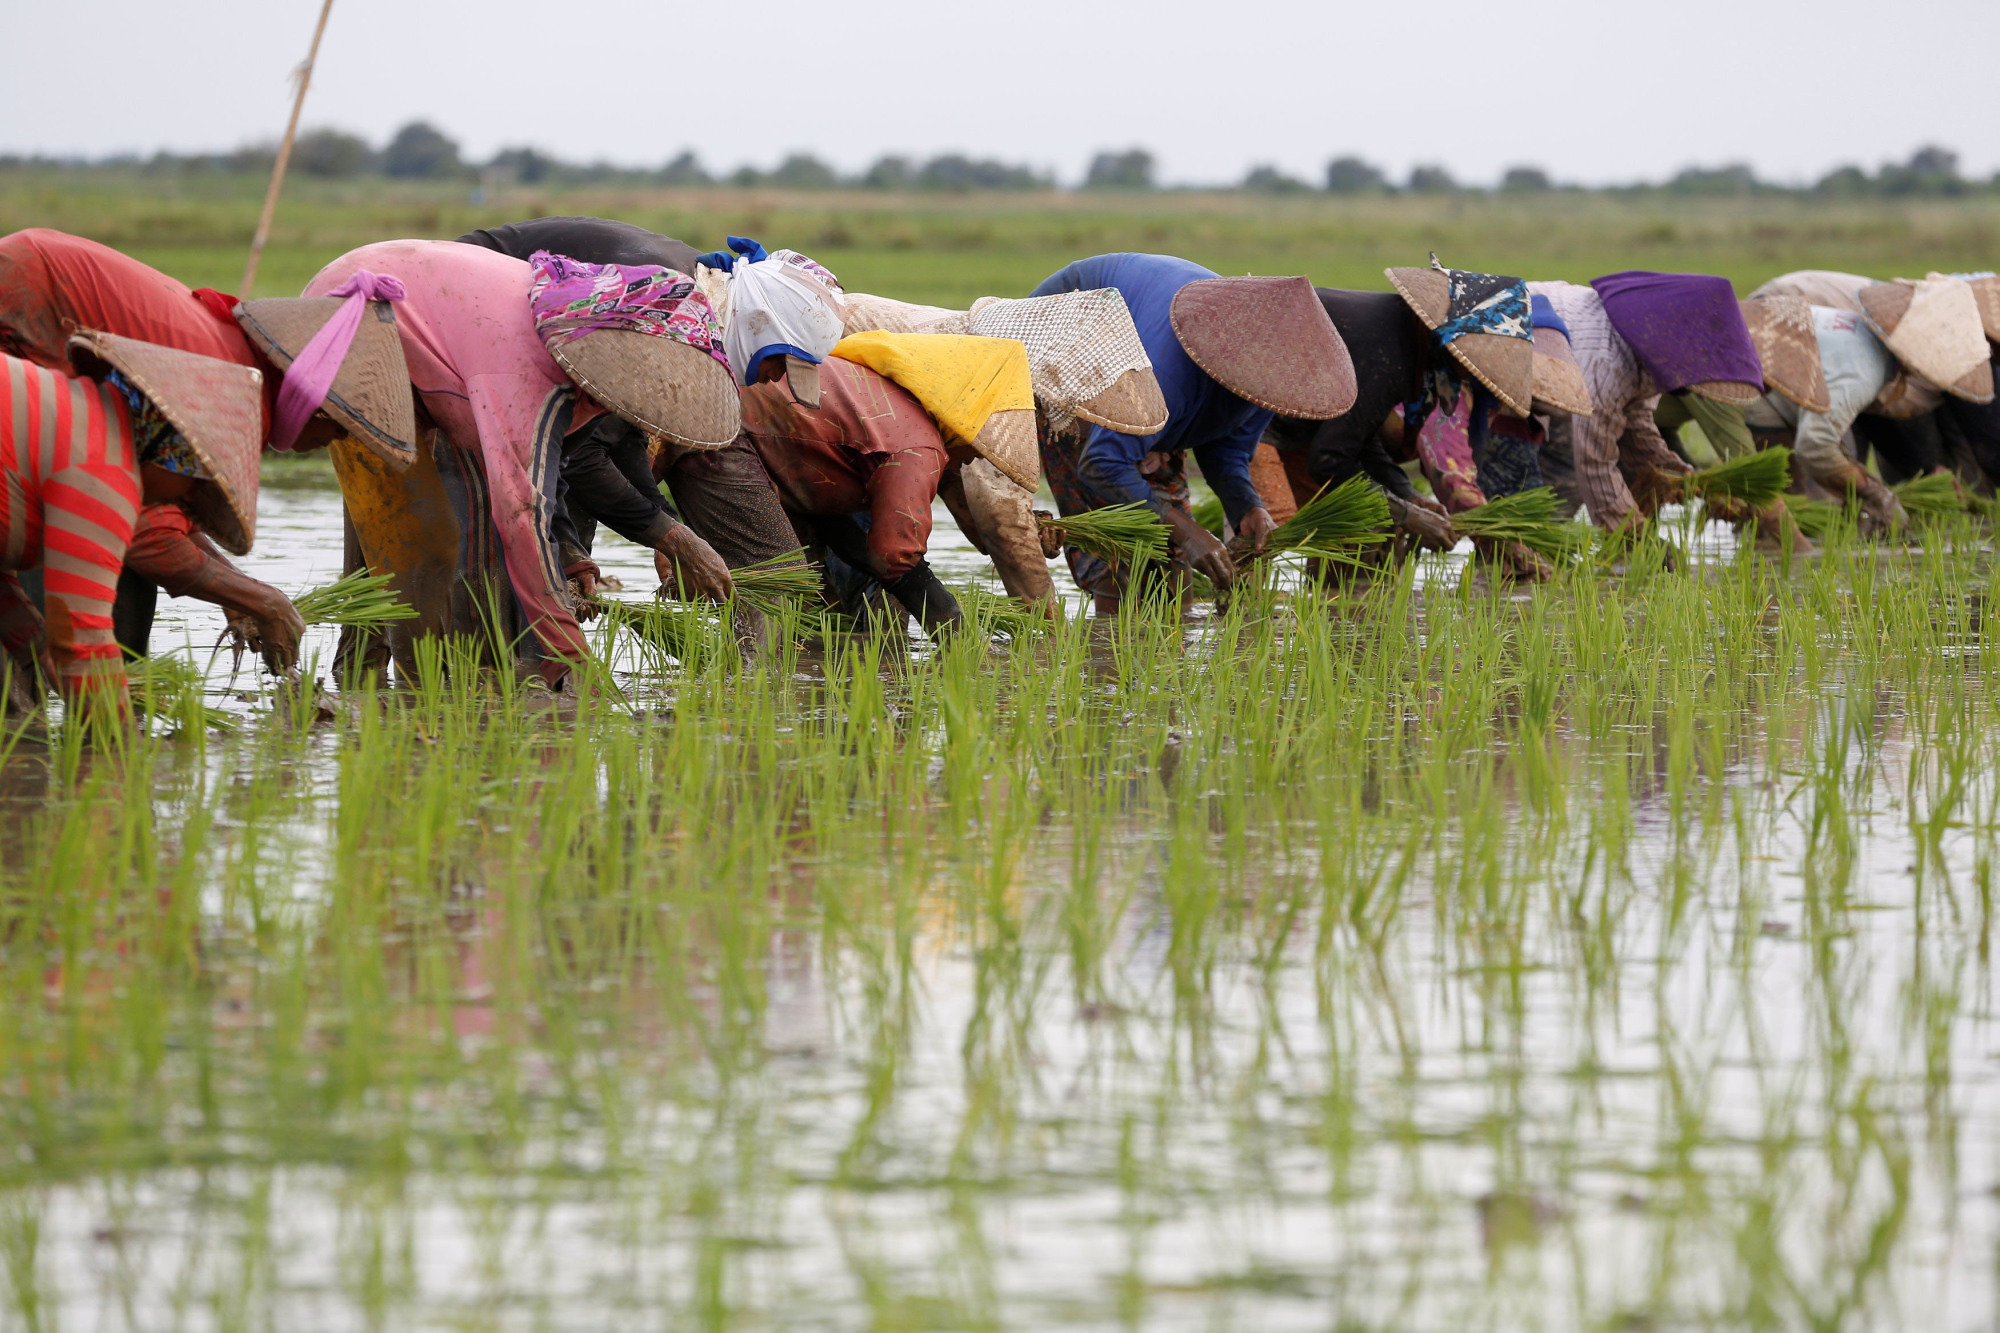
(420, 151)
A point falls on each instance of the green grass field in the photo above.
(950, 249)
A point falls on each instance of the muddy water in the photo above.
(1720, 1106)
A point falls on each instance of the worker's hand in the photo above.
(1199, 548)
(689, 568)
(1881, 512)
(1426, 523)
(1256, 528)
(279, 628)
(1654, 485)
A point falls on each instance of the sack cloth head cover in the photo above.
(1483, 320)
(882, 314)
(218, 408)
(787, 306)
(1933, 328)
(1782, 328)
(1085, 356)
(351, 333)
(1559, 383)
(641, 341)
(978, 389)
(1687, 331)
(1269, 342)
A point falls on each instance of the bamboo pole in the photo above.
(304, 75)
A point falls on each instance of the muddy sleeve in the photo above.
(164, 550)
(900, 490)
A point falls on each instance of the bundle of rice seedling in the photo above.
(1529, 518)
(1123, 534)
(361, 600)
(1208, 512)
(1747, 482)
(769, 584)
(674, 629)
(1933, 497)
(1817, 519)
(173, 689)
(1334, 522)
(1001, 615)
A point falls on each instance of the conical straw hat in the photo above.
(1504, 365)
(371, 395)
(217, 406)
(1782, 328)
(1559, 382)
(1084, 355)
(1269, 341)
(664, 387)
(1933, 328)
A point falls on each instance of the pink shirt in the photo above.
(489, 383)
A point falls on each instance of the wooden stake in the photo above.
(284, 157)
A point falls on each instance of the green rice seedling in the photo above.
(1817, 519)
(1744, 484)
(1334, 523)
(1528, 518)
(1127, 534)
(996, 613)
(361, 600)
(682, 631)
(1932, 497)
(172, 690)
(770, 584)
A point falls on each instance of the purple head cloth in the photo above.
(1685, 328)
(310, 377)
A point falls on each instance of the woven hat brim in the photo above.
(1986, 291)
(663, 387)
(1728, 391)
(1560, 386)
(217, 406)
(1781, 326)
(1269, 341)
(1427, 291)
(1007, 441)
(1504, 365)
(371, 394)
(1933, 342)
(1133, 405)
(802, 378)
(1976, 385)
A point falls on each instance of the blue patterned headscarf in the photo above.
(1480, 303)
(155, 439)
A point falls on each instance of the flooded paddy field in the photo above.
(1613, 955)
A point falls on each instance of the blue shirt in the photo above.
(1219, 427)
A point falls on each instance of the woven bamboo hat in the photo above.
(1986, 291)
(1933, 328)
(371, 395)
(1085, 356)
(1269, 342)
(1007, 441)
(217, 406)
(664, 387)
(863, 313)
(1782, 328)
(1559, 383)
(1503, 364)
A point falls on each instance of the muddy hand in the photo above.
(689, 568)
(1199, 548)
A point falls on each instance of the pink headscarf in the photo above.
(310, 377)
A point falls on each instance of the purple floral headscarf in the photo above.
(570, 298)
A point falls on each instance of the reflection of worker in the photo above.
(51, 285)
(1228, 353)
(150, 425)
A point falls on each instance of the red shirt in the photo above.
(869, 447)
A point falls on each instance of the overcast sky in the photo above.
(1592, 90)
